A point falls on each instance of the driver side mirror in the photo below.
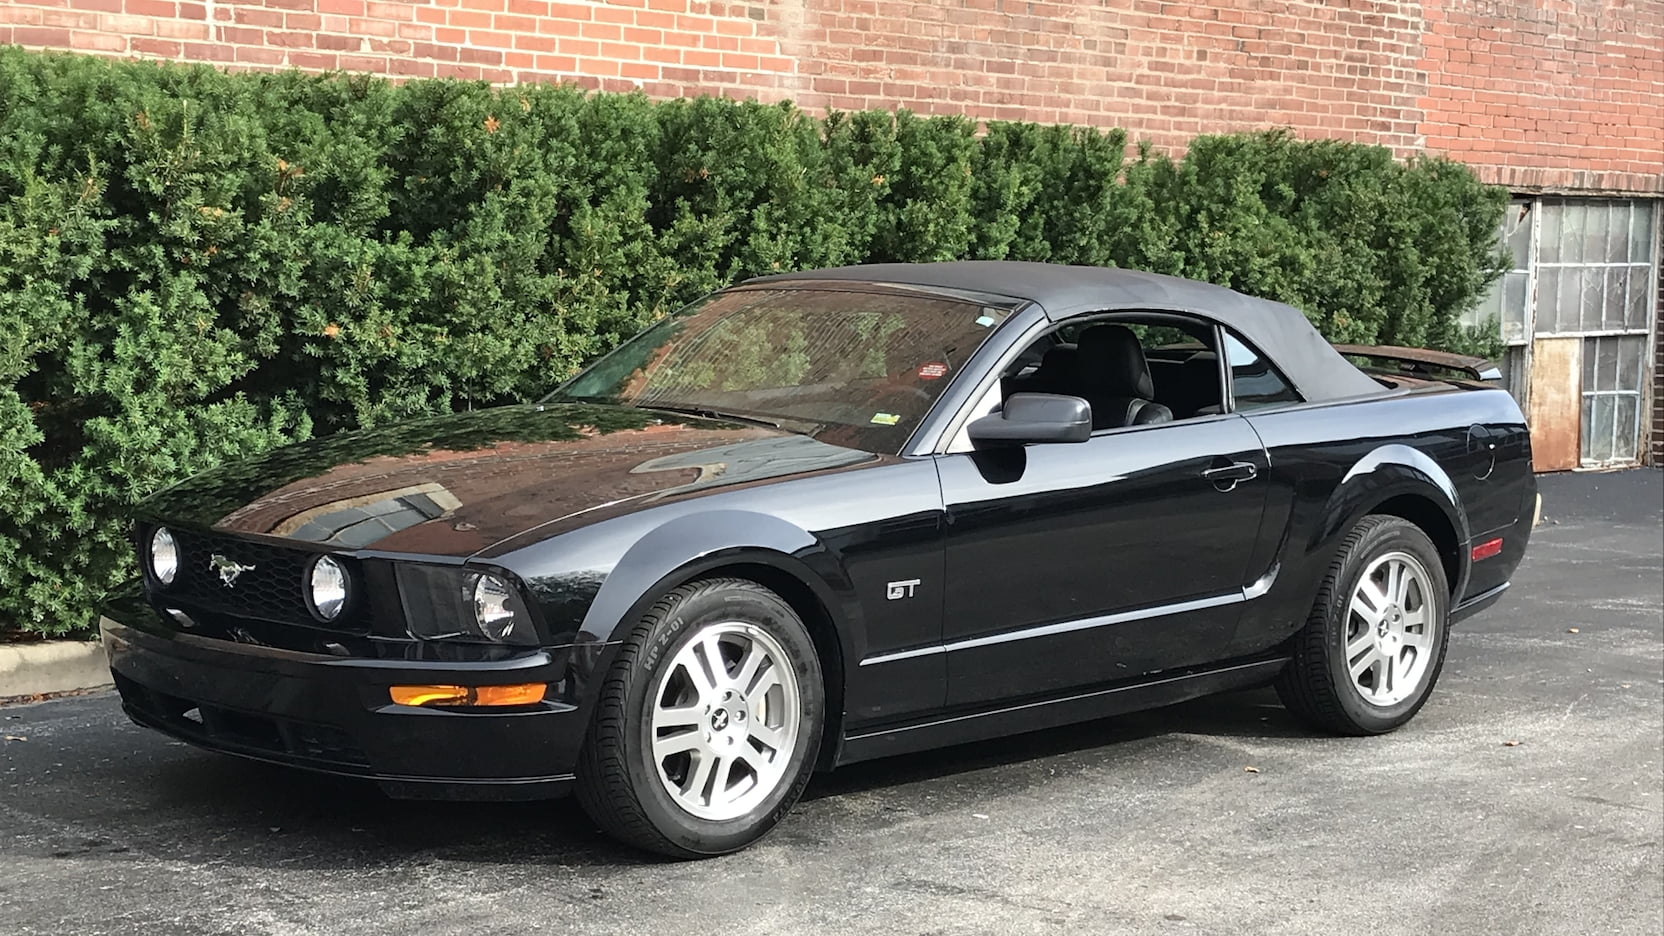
(1034, 417)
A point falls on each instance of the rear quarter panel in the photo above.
(1459, 451)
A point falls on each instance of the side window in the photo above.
(1173, 375)
(1255, 383)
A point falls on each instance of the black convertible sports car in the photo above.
(824, 517)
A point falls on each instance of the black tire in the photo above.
(1317, 686)
(618, 782)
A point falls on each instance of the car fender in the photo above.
(687, 547)
(1387, 472)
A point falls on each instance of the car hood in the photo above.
(456, 485)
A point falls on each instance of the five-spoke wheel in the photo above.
(1374, 644)
(726, 716)
(1388, 633)
(708, 722)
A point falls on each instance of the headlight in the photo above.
(328, 593)
(451, 603)
(493, 612)
(164, 556)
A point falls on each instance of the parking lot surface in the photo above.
(1527, 797)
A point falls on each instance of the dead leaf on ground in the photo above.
(1250, 770)
(1572, 630)
(1510, 743)
(12, 737)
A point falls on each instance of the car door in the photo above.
(1077, 564)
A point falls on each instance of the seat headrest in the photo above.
(1059, 359)
(1111, 362)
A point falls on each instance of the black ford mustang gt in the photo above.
(825, 517)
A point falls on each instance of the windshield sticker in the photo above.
(886, 419)
(986, 320)
(935, 370)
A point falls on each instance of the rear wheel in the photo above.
(1374, 644)
(707, 724)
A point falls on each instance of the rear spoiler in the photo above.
(1419, 362)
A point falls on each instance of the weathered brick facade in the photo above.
(1556, 94)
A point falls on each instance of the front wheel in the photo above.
(707, 723)
(1374, 644)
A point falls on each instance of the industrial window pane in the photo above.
(1640, 233)
(1616, 248)
(1514, 374)
(1590, 349)
(1612, 306)
(1514, 300)
(1626, 426)
(1516, 230)
(1606, 365)
(1548, 299)
(1574, 222)
(1597, 428)
(1635, 315)
(1629, 351)
(1595, 229)
(1570, 300)
(1548, 239)
(1586, 446)
(1593, 283)
(1488, 308)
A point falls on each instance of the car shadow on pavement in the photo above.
(1247, 714)
(201, 808)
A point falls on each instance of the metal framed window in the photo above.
(1587, 269)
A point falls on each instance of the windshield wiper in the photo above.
(709, 413)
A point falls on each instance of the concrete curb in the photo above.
(52, 666)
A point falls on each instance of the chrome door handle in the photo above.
(1227, 477)
(1236, 471)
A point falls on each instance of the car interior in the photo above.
(1133, 370)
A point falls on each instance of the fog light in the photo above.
(164, 556)
(329, 587)
(471, 696)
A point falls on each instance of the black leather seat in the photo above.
(1112, 375)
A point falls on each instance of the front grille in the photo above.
(288, 739)
(271, 586)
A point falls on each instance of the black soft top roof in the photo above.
(1282, 332)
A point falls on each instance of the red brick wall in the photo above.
(1537, 93)
(1548, 93)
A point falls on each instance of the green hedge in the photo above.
(196, 266)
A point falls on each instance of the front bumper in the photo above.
(334, 715)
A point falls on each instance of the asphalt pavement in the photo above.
(1527, 797)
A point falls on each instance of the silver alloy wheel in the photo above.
(725, 718)
(1390, 630)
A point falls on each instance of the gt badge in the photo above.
(899, 590)
(227, 570)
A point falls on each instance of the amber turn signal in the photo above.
(518, 694)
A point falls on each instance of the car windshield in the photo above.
(852, 368)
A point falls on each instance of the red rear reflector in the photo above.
(1487, 549)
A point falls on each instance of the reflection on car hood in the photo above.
(454, 485)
